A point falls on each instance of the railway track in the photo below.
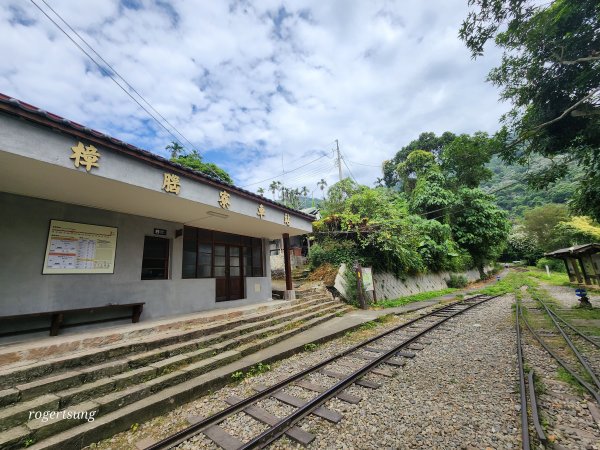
(389, 349)
(568, 355)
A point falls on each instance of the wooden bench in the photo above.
(57, 317)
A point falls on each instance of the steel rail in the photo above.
(524, 422)
(562, 362)
(534, 409)
(575, 330)
(571, 345)
(194, 429)
(274, 433)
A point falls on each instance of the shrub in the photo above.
(350, 280)
(457, 281)
(556, 265)
(332, 252)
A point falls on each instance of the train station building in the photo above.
(91, 225)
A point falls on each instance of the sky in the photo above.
(258, 87)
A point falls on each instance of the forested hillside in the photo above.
(519, 197)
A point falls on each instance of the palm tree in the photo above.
(321, 184)
(260, 191)
(274, 187)
(176, 149)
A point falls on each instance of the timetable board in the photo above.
(80, 248)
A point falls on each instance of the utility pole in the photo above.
(339, 158)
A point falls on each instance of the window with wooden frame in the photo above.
(155, 260)
(204, 254)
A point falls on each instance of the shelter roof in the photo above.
(575, 250)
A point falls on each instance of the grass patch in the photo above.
(509, 284)
(310, 347)
(368, 325)
(555, 278)
(414, 298)
(385, 319)
(564, 375)
(252, 372)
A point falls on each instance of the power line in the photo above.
(343, 158)
(287, 171)
(110, 75)
(117, 73)
(303, 175)
(361, 164)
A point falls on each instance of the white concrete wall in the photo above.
(277, 261)
(24, 289)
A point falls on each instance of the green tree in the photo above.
(464, 160)
(274, 187)
(575, 231)
(428, 142)
(550, 72)
(436, 247)
(194, 161)
(479, 226)
(321, 185)
(175, 148)
(540, 223)
(260, 191)
(522, 246)
(338, 193)
(416, 163)
(430, 196)
(515, 196)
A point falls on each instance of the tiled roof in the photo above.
(26, 111)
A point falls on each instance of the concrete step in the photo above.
(20, 375)
(116, 411)
(24, 353)
(165, 358)
(169, 366)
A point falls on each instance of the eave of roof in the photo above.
(575, 250)
(31, 113)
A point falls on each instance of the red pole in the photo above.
(287, 262)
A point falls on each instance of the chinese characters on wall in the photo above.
(88, 156)
(85, 155)
(224, 199)
(171, 183)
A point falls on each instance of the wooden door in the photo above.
(235, 281)
(228, 272)
(221, 272)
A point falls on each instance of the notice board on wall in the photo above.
(367, 279)
(80, 248)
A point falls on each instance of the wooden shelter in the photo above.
(582, 262)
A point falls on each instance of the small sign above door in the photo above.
(160, 232)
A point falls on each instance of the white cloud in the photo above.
(248, 82)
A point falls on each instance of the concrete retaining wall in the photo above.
(388, 286)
